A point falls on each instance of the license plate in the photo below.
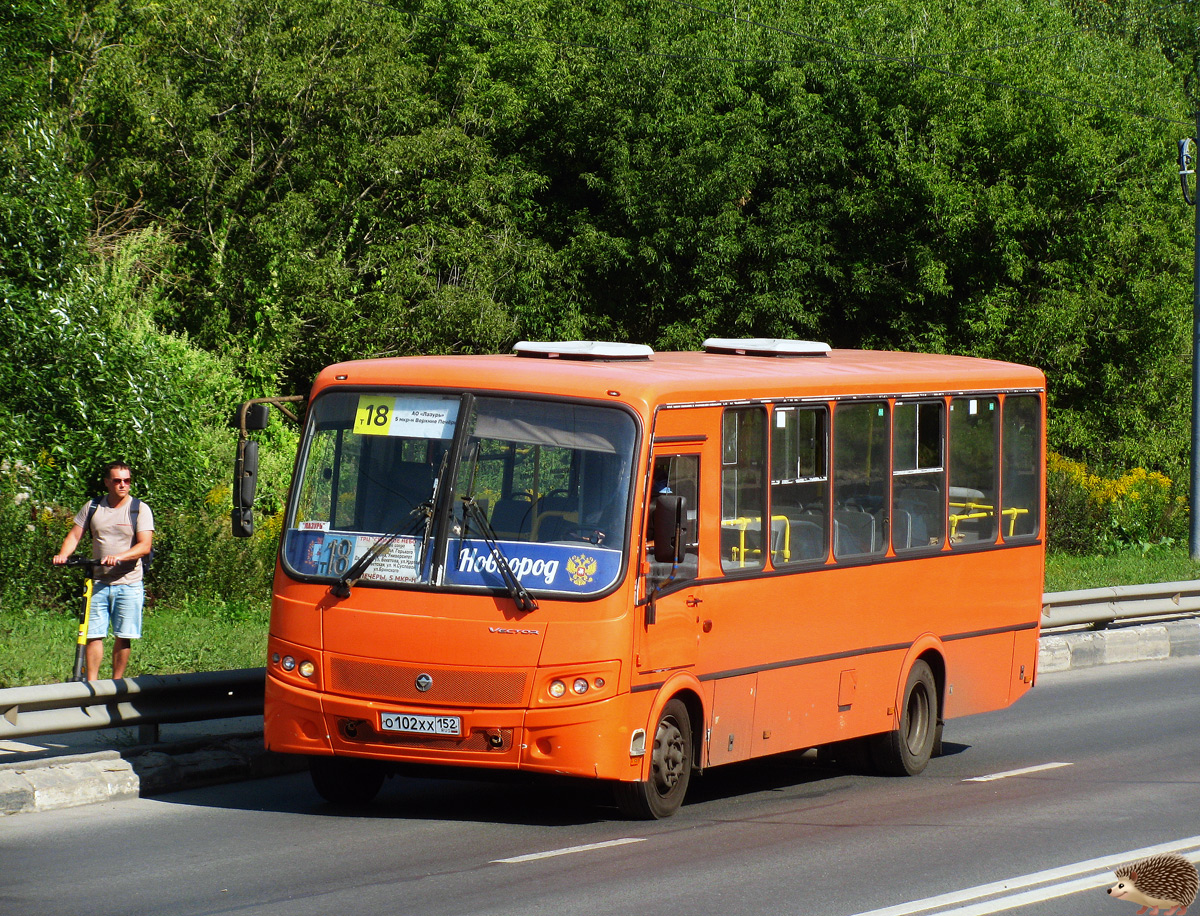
(421, 725)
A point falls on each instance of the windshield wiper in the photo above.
(520, 594)
(349, 579)
(427, 508)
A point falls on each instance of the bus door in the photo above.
(669, 631)
(737, 638)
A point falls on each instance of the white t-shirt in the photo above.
(112, 533)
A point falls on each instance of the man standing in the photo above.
(118, 594)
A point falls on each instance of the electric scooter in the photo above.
(90, 566)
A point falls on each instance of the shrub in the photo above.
(1088, 512)
(196, 554)
(29, 536)
(89, 377)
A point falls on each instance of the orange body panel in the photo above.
(771, 660)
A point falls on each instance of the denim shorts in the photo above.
(122, 604)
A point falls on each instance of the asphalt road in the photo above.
(1111, 768)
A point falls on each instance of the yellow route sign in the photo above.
(374, 415)
(419, 416)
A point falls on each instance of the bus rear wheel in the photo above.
(906, 750)
(670, 769)
(346, 781)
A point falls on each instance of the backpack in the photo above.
(134, 508)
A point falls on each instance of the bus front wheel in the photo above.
(906, 750)
(670, 769)
(346, 780)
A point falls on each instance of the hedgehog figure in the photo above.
(1165, 882)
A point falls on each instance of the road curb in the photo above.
(1145, 642)
(46, 783)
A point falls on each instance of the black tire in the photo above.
(906, 750)
(852, 755)
(346, 781)
(670, 769)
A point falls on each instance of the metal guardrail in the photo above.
(1101, 606)
(151, 700)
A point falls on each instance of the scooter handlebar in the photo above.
(87, 562)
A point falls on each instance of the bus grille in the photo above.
(450, 685)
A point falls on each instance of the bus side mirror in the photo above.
(669, 542)
(257, 416)
(245, 481)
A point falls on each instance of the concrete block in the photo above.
(1053, 654)
(1087, 649)
(16, 794)
(157, 772)
(1184, 636)
(84, 782)
(209, 766)
(1136, 644)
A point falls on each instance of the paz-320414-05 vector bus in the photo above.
(597, 560)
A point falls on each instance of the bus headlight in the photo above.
(587, 683)
(307, 668)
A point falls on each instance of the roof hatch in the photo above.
(598, 350)
(765, 346)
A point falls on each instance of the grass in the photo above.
(37, 646)
(1131, 566)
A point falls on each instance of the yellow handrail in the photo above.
(740, 552)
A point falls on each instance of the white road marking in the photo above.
(1007, 899)
(1021, 772)
(569, 850)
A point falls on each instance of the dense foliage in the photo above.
(1091, 514)
(204, 201)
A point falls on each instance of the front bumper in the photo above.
(587, 740)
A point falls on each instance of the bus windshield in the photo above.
(429, 479)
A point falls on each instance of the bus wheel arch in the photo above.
(673, 745)
(907, 748)
(929, 649)
(937, 664)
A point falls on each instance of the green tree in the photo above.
(328, 169)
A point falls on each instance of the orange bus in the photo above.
(597, 560)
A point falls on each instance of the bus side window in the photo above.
(799, 485)
(860, 478)
(1021, 466)
(918, 475)
(677, 475)
(974, 444)
(743, 487)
